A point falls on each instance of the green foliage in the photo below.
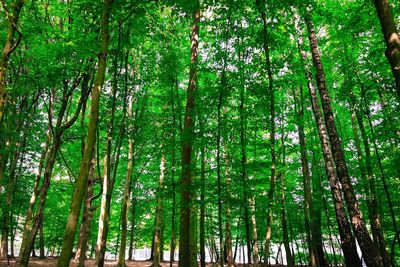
(149, 61)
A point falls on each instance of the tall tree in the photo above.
(10, 45)
(187, 145)
(392, 38)
(81, 182)
(370, 253)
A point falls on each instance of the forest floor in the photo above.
(51, 262)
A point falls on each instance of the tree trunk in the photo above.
(348, 243)
(87, 215)
(289, 255)
(173, 182)
(382, 174)
(193, 229)
(31, 231)
(370, 252)
(261, 7)
(29, 239)
(392, 39)
(10, 45)
(159, 214)
(244, 175)
(125, 203)
(202, 199)
(132, 130)
(10, 191)
(228, 228)
(220, 230)
(76, 201)
(369, 186)
(185, 238)
(307, 208)
(133, 215)
(108, 181)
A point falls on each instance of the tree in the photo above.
(81, 182)
(187, 139)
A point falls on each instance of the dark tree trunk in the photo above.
(308, 208)
(370, 252)
(392, 39)
(9, 46)
(185, 238)
(348, 243)
(271, 91)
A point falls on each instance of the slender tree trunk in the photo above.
(382, 174)
(108, 183)
(348, 243)
(392, 38)
(316, 221)
(29, 239)
(76, 201)
(261, 7)
(202, 199)
(57, 131)
(41, 242)
(173, 182)
(370, 252)
(228, 228)
(87, 215)
(193, 229)
(289, 255)
(159, 215)
(9, 46)
(308, 208)
(185, 238)
(317, 216)
(252, 205)
(132, 130)
(244, 174)
(9, 195)
(133, 216)
(127, 193)
(369, 186)
(220, 230)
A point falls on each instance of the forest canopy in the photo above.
(191, 133)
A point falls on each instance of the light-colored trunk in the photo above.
(159, 216)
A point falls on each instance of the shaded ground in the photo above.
(51, 262)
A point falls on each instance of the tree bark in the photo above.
(392, 39)
(202, 242)
(261, 7)
(369, 185)
(348, 243)
(370, 252)
(133, 217)
(220, 230)
(173, 182)
(9, 46)
(76, 201)
(57, 132)
(185, 238)
(159, 214)
(243, 163)
(87, 215)
(307, 208)
(228, 229)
